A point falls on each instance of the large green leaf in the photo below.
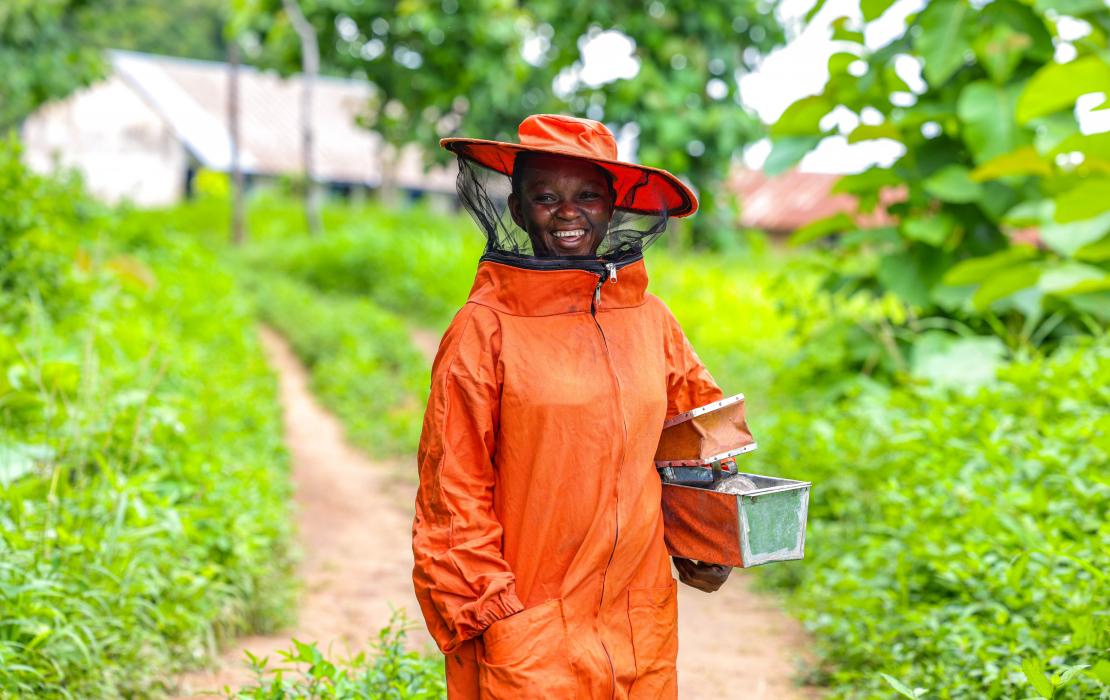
(999, 50)
(1095, 252)
(1087, 200)
(837, 223)
(1024, 161)
(873, 9)
(1034, 673)
(1058, 85)
(1096, 304)
(786, 152)
(802, 118)
(933, 229)
(1070, 275)
(867, 132)
(1007, 281)
(944, 40)
(1071, 8)
(1030, 213)
(976, 270)
(913, 273)
(963, 363)
(986, 112)
(1067, 239)
(869, 180)
(953, 184)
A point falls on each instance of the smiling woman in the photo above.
(540, 564)
(564, 204)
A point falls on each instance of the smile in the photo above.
(564, 235)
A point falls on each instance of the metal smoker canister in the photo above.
(696, 454)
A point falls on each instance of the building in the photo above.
(143, 132)
(785, 203)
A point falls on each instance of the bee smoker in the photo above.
(712, 512)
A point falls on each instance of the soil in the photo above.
(354, 520)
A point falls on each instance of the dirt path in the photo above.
(354, 532)
(354, 523)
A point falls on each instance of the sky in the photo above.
(800, 69)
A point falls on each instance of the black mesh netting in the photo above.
(485, 192)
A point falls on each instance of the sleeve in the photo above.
(463, 583)
(689, 383)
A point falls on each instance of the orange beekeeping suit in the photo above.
(538, 540)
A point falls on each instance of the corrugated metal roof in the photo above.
(789, 201)
(191, 96)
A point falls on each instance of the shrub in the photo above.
(388, 673)
(143, 508)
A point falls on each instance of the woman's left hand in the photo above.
(702, 576)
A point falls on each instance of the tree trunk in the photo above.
(310, 68)
(238, 220)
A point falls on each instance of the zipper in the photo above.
(611, 274)
(611, 271)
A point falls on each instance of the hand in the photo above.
(702, 576)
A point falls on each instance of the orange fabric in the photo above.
(639, 188)
(540, 565)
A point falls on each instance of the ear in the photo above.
(515, 211)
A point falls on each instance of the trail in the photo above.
(354, 527)
(354, 519)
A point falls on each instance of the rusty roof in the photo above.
(191, 96)
(789, 201)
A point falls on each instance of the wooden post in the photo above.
(238, 220)
(310, 62)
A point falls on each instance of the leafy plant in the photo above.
(992, 151)
(143, 483)
(389, 672)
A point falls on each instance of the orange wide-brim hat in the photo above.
(639, 189)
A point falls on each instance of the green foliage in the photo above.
(143, 485)
(448, 69)
(388, 673)
(40, 57)
(192, 29)
(955, 533)
(363, 364)
(411, 262)
(992, 149)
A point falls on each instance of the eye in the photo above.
(589, 195)
(544, 198)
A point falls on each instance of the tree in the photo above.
(188, 28)
(41, 57)
(478, 68)
(992, 149)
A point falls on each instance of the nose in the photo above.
(567, 211)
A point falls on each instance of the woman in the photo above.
(538, 541)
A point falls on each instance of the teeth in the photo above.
(570, 234)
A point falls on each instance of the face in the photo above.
(564, 205)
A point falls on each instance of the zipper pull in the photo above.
(597, 293)
(612, 268)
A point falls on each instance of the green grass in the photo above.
(362, 364)
(143, 484)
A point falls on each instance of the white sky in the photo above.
(800, 69)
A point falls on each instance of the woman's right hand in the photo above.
(702, 576)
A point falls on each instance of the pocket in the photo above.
(525, 656)
(653, 616)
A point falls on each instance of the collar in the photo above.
(522, 291)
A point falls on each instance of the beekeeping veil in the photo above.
(644, 198)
